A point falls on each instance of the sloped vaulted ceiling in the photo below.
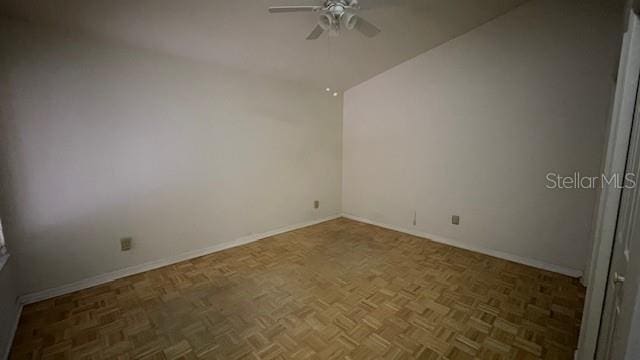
(241, 33)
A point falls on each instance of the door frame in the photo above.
(606, 216)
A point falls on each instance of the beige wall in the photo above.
(472, 128)
(107, 142)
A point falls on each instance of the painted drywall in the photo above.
(107, 142)
(8, 306)
(472, 128)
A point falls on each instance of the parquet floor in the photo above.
(337, 290)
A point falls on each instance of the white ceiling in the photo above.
(241, 33)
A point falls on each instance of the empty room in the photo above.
(319, 179)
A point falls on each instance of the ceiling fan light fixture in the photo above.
(325, 21)
(334, 16)
(349, 21)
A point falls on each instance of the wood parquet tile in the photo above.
(337, 290)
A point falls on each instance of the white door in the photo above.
(598, 323)
(624, 273)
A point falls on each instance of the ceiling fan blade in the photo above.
(315, 33)
(288, 9)
(413, 5)
(372, 4)
(366, 28)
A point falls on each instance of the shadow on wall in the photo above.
(100, 143)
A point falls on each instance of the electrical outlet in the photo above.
(125, 243)
(455, 219)
(316, 204)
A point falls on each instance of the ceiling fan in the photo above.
(334, 15)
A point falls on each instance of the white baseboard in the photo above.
(499, 254)
(101, 279)
(13, 330)
(136, 269)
